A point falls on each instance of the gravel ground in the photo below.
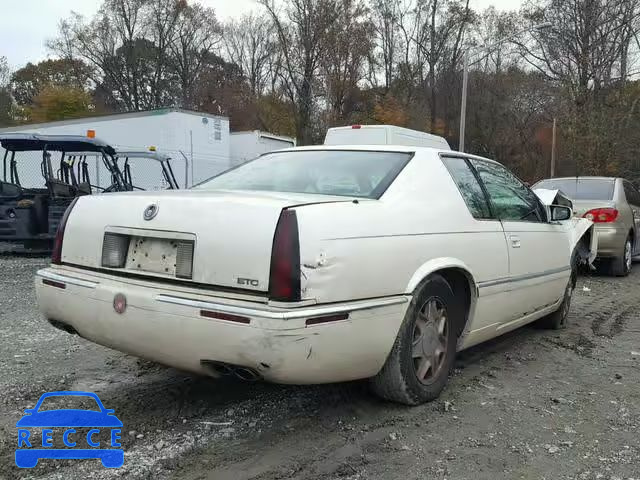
(530, 405)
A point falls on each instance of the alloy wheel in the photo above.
(430, 340)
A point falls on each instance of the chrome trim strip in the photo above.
(292, 314)
(522, 278)
(65, 279)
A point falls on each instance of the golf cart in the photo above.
(30, 215)
(147, 170)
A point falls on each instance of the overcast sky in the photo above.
(25, 27)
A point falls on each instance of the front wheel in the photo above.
(422, 356)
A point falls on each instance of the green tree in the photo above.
(6, 102)
(59, 103)
(29, 81)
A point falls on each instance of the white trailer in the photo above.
(198, 143)
(383, 135)
(246, 146)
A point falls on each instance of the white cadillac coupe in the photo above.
(318, 264)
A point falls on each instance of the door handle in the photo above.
(515, 241)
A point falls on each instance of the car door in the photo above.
(633, 199)
(539, 251)
(486, 251)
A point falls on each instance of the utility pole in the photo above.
(463, 107)
(553, 149)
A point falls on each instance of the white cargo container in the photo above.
(197, 142)
(246, 146)
(383, 135)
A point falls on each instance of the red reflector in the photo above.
(329, 318)
(602, 215)
(356, 127)
(225, 316)
(52, 283)
(119, 303)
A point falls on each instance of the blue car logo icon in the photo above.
(68, 419)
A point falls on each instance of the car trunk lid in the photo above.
(224, 237)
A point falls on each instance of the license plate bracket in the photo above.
(154, 255)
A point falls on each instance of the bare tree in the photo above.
(587, 44)
(343, 66)
(250, 43)
(162, 22)
(301, 31)
(197, 33)
(113, 43)
(443, 23)
(385, 18)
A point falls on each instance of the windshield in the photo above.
(581, 188)
(326, 172)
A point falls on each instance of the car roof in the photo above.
(159, 157)
(24, 142)
(386, 148)
(366, 148)
(586, 177)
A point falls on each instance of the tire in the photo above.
(558, 319)
(621, 266)
(427, 336)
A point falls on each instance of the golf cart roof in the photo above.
(160, 157)
(24, 142)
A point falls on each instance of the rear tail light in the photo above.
(284, 279)
(56, 254)
(602, 215)
(114, 250)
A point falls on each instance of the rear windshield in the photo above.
(581, 188)
(325, 172)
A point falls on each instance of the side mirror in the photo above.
(560, 213)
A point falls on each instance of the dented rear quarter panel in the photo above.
(377, 248)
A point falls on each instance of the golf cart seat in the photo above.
(84, 188)
(59, 188)
(9, 190)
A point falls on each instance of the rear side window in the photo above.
(633, 197)
(581, 188)
(350, 173)
(469, 187)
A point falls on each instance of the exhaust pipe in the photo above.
(220, 369)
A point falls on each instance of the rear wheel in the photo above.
(621, 266)
(419, 364)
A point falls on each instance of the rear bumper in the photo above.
(611, 241)
(167, 327)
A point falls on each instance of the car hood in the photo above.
(552, 197)
(581, 231)
(69, 418)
